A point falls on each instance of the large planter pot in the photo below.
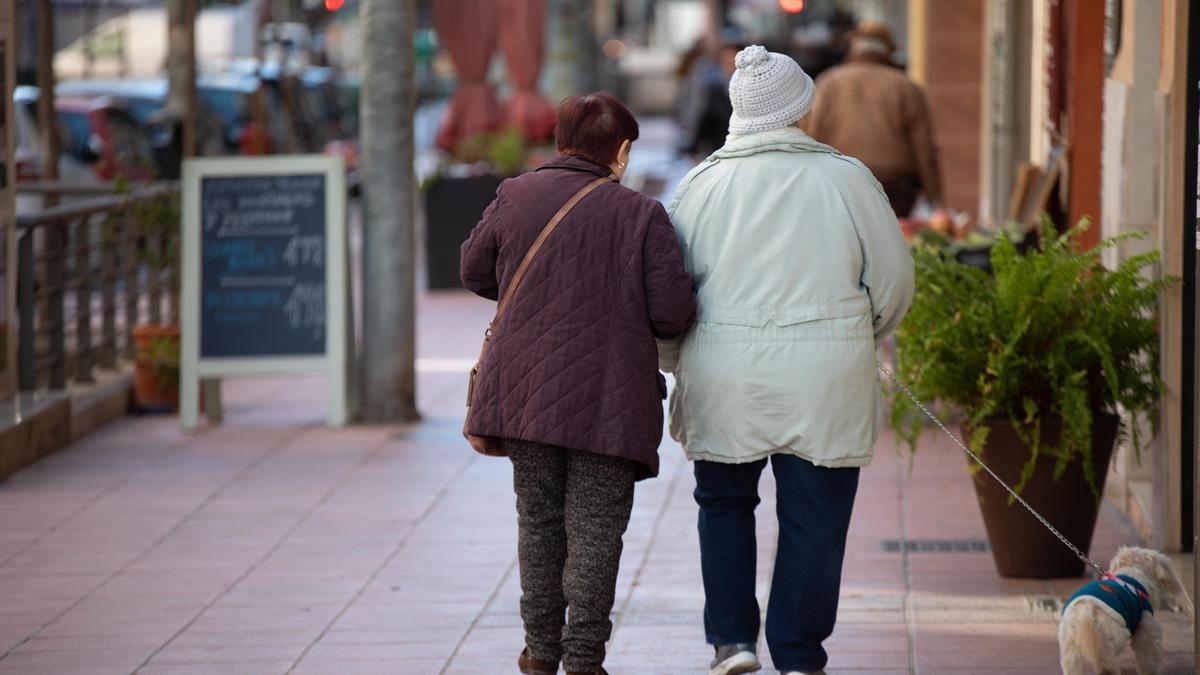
(150, 392)
(453, 207)
(1021, 546)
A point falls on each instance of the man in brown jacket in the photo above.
(868, 108)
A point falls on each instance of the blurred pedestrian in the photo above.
(869, 109)
(705, 106)
(820, 44)
(696, 61)
(570, 381)
(800, 270)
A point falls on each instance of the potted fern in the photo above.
(1041, 358)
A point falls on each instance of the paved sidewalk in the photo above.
(274, 545)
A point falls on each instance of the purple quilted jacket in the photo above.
(573, 362)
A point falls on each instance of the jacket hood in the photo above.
(788, 139)
(576, 163)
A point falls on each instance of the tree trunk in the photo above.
(389, 255)
(47, 119)
(180, 110)
(571, 51)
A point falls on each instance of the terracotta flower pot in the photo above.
(1021, 546)
(150, 393)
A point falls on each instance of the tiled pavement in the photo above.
(274, 545)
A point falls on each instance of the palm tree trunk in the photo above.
(389, 295)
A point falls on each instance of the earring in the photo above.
(620, 165)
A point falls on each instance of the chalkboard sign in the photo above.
(263, 265)
(264, 275)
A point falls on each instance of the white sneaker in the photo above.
(734, 659)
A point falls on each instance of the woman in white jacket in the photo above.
(801, 271)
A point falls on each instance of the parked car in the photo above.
(108, 139)
(237, 100)
(28, 156)
(99, 141)
(27, 150)
(33, 166)
(145, 101)
(304, 106)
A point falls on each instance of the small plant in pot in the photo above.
(1042, 357)
(156, 372)
(156, 223)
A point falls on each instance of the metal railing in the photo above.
(88, 271)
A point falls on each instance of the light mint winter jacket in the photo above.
(801, 271)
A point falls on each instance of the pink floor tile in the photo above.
(272, 542)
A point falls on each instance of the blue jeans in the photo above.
(813, 505)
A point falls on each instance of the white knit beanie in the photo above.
(768, 91)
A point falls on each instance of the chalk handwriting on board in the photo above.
(305, 250)
(258, 206)
(263, 265)
(241, 255)
(305, 308)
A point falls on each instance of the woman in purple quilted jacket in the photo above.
(570, 380)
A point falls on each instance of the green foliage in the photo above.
(163, 358)
(504, 150)
(156, 223)
(508, 152)
(1051, 335)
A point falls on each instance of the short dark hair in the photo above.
(594, 126)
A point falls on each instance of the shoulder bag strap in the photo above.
(537, 245)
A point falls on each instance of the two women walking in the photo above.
(766, 290)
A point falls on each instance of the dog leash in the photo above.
(974, 457)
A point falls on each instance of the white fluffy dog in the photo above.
(1105, 615)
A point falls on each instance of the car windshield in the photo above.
(75, 132)
(142, 109)
(231, 105)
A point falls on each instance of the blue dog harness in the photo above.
(1122, 594)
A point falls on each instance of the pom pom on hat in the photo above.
(752, 55)
(768, 91)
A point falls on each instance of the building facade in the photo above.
(1108, 82)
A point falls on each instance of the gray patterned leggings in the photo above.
(572, 510)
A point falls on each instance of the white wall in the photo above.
(223, 34)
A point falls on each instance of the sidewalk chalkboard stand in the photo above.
(265, 288)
